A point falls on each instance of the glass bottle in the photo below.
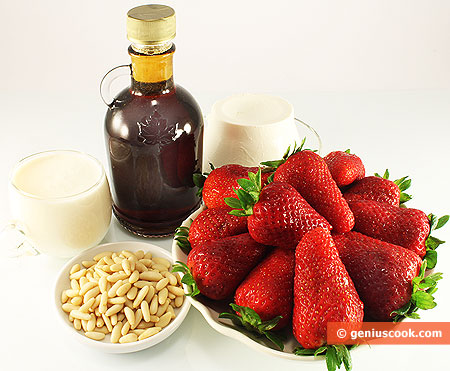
(154, 132)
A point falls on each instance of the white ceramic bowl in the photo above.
(63, 282)
(211, 310)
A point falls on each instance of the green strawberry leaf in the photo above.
(331, 359)
(248, 196)
(319, 351)
(347, 151)
(232, 202)
(442, 221)
(187, 279)
(432, 243)
(251, 321)
(433, 221)
(431, 258)
(199, 181)
(335, 355)
(182, 238)
(274, 164)
(307, 352)
(402, 183)
(423, 300)
(423, 288)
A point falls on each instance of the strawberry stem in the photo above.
(402, 183)
(248, 196)
(335, 355)
(251, 321)
(182, 238)
(187, 279)
(423, 288)
(276, 163)
(432, 243)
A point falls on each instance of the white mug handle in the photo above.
(14, 242)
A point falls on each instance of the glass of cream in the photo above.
(61, 203)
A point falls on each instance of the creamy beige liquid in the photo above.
(62, 201)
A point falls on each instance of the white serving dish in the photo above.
(63, 282)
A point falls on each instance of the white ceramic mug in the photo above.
(60, 201)
(247, 129)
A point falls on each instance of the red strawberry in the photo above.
(323, 290)
(381, 189)
(308, 173)
(344, 167)
(214, 224)
(375, 189)
(278, 215)
(382, 272)
(268, 289)
(221, 182)
(218, 267)
(408, 228)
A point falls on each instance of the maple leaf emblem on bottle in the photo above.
(153, 129)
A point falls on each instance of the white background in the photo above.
(372, 76)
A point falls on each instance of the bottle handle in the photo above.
(107, 80)
(15, 242)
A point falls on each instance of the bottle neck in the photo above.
(152, 70)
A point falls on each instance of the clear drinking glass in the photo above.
(60, 202)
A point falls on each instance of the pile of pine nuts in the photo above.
(131, 296)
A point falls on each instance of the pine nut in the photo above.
(139, 254)
(130, 315)
(94, 335)
(162, 296)
(149, 332)
(112, 291)
(101, 255)
(151, 276)
(161, 284)
(164, 320)
(77, 324)
(131, 294)
(74, 269)
(122, 290)
(178, 291)
(145, 311)
(125, 328)
(116, 308)
(80, 315)
(88, 263)
(134, 277)
(128, 338)
(140, 296)
(115, 333)
(162, 261)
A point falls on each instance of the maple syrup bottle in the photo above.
(154, 132)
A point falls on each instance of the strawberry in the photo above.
(308, 173)
(221, 182)
(219, 266)
(278, 215)
(323, 290)
(214, 224)
(344, 167)
(381, 189)
(408, 228)
(268, 289)
(381, 272)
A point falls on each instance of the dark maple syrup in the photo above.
(154, 134)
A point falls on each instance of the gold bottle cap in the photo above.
(151, 24)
